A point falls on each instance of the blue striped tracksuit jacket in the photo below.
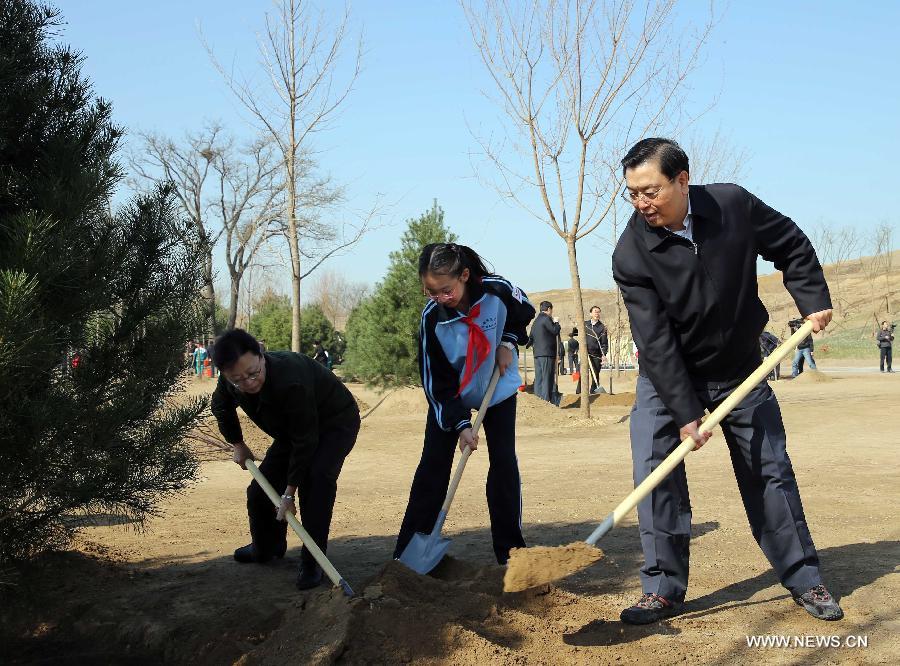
(443, 343)
(504, 313)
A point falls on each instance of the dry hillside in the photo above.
(861, 289)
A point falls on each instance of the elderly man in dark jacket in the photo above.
(686, 265)
(313, 420)
(544, 340)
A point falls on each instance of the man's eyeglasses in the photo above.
(647, 195)
(251, 377)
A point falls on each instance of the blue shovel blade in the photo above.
(424, 552)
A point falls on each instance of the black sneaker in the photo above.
(819, 603)
(310, 576)
(650, 608)
(250, 554)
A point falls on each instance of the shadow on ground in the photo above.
(71, 608)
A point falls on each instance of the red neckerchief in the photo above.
(478, 344)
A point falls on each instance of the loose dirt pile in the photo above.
(573, 401)
(532, 411)
(458, 614)
(406, 401)
(812, 377)
(530, 567)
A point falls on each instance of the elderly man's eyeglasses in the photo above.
(647, 195)
(251, 377)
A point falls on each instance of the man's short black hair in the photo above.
(574, 333)
(231, 345)
(591, 309)
(672, 159)
(546, 305)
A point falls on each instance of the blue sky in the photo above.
(809, 89)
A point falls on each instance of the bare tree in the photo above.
(301, 58)
(715, 159)
(187, 165)
(579, 81)
(836, 247)
(883, 246)
(249, 205)
(337, 296)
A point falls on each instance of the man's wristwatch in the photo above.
(510, 346)
(287, 497)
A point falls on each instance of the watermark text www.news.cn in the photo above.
(807, 641)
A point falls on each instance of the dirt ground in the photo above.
(173, 594)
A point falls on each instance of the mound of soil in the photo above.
(573, 401)
(533, 411)
(458, 614)
(538, 565)
(406, 401)
(812, 377)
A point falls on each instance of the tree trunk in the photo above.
(209, 295)
(233, 300)
(294, 244)
(582, 334)
(617, 356)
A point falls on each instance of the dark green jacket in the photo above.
(298, 400)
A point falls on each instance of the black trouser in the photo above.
(544, 376)
(316, 490)
(886, 356)
(573, 363)
(755, 436)
(596, 362)
(504, 487)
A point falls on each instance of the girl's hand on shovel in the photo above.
(692, 430)
(467, 438)
(504, 359)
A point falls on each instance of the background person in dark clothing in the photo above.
(768, 343)
(686, 265)
(572, 353)
(313, 420)
(543, 342)
(885, 340)
(597, 345)
(320, 355)
(804, 350)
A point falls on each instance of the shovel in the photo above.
(307, 541)
(425, 551)
(541, 565)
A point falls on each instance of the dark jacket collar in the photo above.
(703, 211)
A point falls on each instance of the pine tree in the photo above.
(382, 332)
(272, 322)
(95, 308)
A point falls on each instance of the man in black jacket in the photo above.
(597, 346)
(686, 265)
(885, 341)
(543, 341)
(314, 421)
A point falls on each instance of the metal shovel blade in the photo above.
(424, 552)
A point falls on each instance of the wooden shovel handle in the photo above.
(451, 491)
(678, 455)
(307, 541)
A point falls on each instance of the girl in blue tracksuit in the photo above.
(473, 321)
